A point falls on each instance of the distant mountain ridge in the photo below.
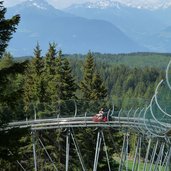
(38, 4)
(145, 4)
(143, 24)
(41, 22)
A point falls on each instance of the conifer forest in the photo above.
(56, 81)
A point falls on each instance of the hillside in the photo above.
(140, 22)
(43, 23)
(139, 60)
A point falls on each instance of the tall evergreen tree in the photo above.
(6, 61)
(99, 90)
(7, 27)
(70, 86)
(56, 83)
(33, 85)
(86, 83)
(62, 84)
(92, 85)
(49, 72)
(50, 58)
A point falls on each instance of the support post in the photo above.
(18, 162)
(78, 152)
(168, 161)
(67, 150)
(165, 159)
(34, 150)
(147, 154)
(161, 157)
(139, 153)
(107, 156)
(153, 155)
(124, 153)
(47, 154)
(127, 143)
(157, 165)
(134, 167)
(96, 157)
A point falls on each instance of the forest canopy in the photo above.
(51, 85)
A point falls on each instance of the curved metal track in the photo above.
(70, 122)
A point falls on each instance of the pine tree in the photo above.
(99, 90)
(55, 84)
(6, 61)
(70, 86)
(62, 83)
(92, 85)
(68, 89)
(38, 64)
(86, 83)
(50, 59)
(49, 73)
(7, 27)
(33, 84)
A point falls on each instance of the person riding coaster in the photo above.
(101, 116)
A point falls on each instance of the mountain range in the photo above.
(140, 4)
(112, 28)
(141, 24)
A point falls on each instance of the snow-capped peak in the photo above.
(139, 4)
(147, 4)
(41, 4)
(102, 4)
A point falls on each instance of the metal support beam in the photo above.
(124, 152)
(96, 157)
(107, 156)
(159, 157)
(137, 155)
(47, 154)
(21, 165)
(153, 155)
(127, 143)
(147, 154)
(165, 159)
(34, 150)
(67, 150)
(78, 151)
(167, 167)
(18, 162)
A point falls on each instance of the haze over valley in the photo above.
(103, 26)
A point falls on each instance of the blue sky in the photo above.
(55, 3)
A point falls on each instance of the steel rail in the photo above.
(117, 122)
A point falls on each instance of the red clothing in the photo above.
(105, 119)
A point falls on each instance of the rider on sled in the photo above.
(101, 116)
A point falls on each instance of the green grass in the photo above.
(141, 166)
